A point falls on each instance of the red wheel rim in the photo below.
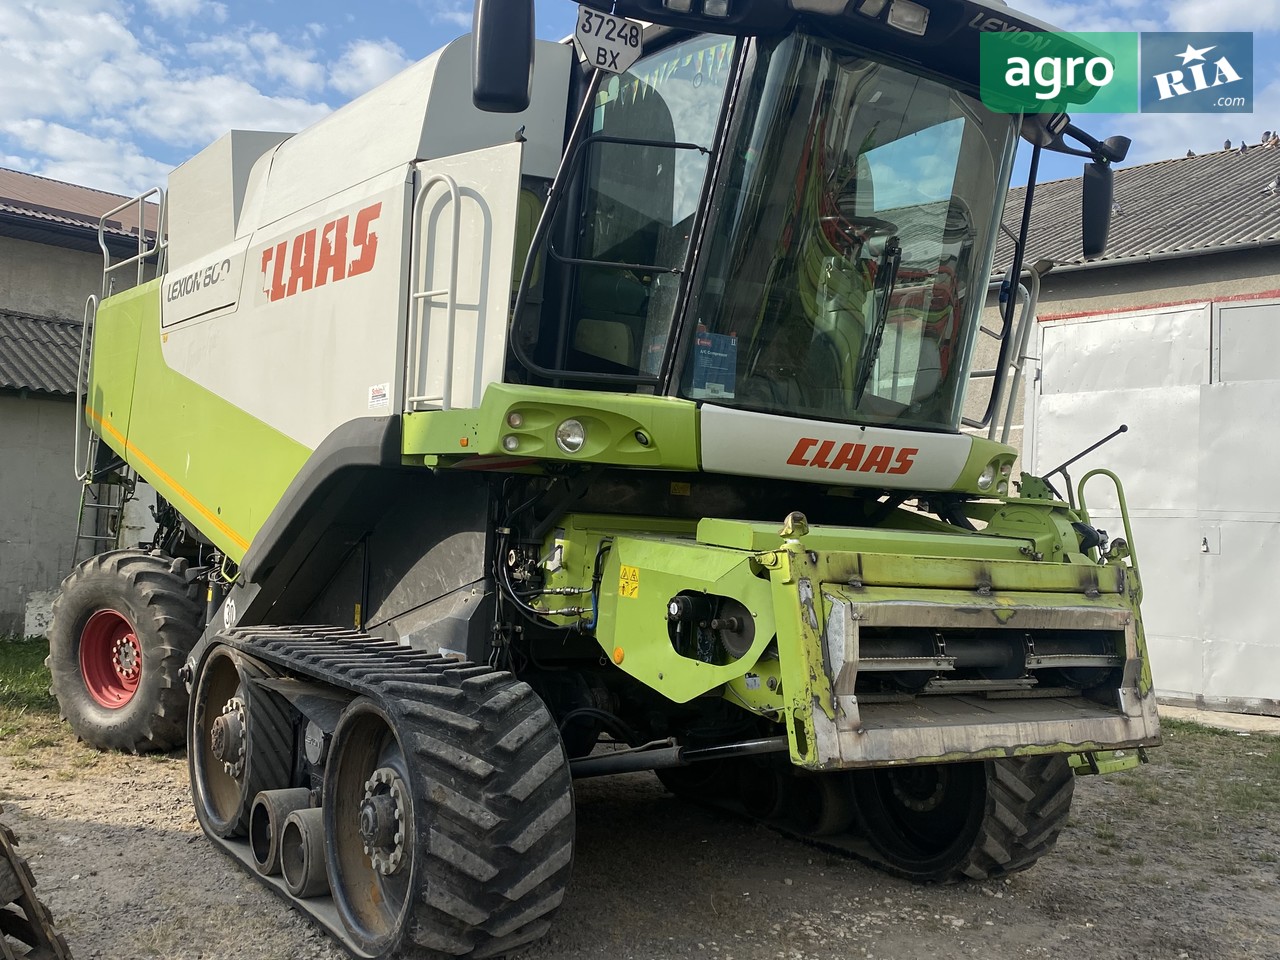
(110, 659)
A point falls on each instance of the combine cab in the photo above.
(495, 455)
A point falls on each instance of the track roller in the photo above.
(302, 860)
(271, 808)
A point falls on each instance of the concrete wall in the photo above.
(45, 281)
(39, 498)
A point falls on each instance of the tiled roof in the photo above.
(1169, 208)
(39, 354)
(53, 201)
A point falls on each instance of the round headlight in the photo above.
(515, 420)
(1006, 469)
(510, 444)
(570, 436)
(987, 477)
(1002, 487)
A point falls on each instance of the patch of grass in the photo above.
(24, 681)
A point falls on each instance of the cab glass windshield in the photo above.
(847, 256)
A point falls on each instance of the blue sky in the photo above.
(115, 93)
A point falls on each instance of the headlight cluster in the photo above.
(996, 474)
(570, 435)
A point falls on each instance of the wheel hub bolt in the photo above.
(227, 737)
(378, 821)
(125, 655)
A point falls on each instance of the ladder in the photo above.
(105, 490)
(107, 481)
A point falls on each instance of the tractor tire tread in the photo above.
(167, 615)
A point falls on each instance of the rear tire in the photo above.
(123, 623)
(977, 820)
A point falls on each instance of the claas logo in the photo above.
(321, 255)
(854, 457)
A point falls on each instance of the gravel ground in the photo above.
(1179, 859)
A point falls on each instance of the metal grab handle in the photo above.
(144, 251)
(1022, 333)
(82, 389)
(1124, 518)
(420, 333)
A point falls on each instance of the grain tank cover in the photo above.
(423, 113)
(207, 193)
(247, 179)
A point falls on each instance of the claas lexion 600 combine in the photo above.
(523, 421)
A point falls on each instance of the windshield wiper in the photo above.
(886, 278)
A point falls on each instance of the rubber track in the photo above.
(489, 774)
(158, 585)
(1028, 802)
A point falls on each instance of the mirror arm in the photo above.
(1015, 272)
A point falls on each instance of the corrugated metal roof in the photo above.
(53, 201)
(1169, 208)
(39, 354)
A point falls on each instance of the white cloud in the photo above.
(365, 64)
(1095, 15)
(69, 61)
(188, 9)
(453, 12)
(260, 54)
(198, 110)
(1163, 136)
(1249, 15)
(108, 164)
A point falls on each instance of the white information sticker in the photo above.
(608, 42)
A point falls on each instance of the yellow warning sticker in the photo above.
(629, 582)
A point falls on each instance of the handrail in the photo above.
(419, 333)
(90, 314)
(997, 374)
(1022, 333)
(1124, 518)
(144, 251)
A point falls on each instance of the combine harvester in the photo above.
(523, 421)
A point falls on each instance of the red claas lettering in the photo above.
(853, 457)
(320, 256)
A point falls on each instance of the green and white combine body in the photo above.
(327, 383)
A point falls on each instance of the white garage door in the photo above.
(1199, 387)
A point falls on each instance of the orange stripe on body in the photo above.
(155, 470)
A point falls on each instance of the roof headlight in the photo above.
(909, 17)
(570, 436)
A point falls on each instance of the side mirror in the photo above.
(502, 55)
(1095, 208)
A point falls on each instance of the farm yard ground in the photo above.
(1177, 859)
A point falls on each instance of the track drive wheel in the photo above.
(448, 818)
(975, 820)
(240, 741)
(123, 623)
